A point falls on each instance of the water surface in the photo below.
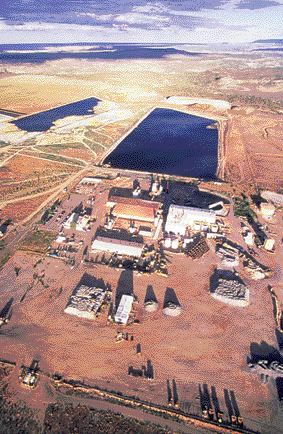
(171, 142)
(44, 120)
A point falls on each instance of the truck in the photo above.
(30, 375)
(6, 313)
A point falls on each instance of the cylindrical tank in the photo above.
(150, 306)
(137, 192)
(167, 242)
(175, 243)
(172, 309)
(154, 187)
(188, 240)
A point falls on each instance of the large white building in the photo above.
(124, 309)
(121, 247)
(90, 180)
(71, 221)
(181, 217)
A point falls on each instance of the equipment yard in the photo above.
(203, 342)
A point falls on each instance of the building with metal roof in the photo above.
(134, 208)
(118, 242)
(124, 309)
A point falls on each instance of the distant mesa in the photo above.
(268, 41)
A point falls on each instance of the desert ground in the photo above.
(208, 344)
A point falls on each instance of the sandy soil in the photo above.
(254, 152)
(207, 344)
(22, 209)
(23, 167)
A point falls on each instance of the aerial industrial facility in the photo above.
(140, 238)
(180, 218)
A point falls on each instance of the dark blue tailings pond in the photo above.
(170, 142)
(44, 120)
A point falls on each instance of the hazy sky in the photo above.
(140, 20)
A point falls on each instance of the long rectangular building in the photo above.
(124, 309)
(117, 242)
(134, 208)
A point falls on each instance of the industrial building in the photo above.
(88, 185)
(124, 309)
(118, 242)
(267, 210)
(181, 217)
(90, 180)
(135, 209)
(82, 223)
(85, 302)
(71, 221)
(269, 244)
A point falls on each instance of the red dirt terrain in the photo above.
(207, 344)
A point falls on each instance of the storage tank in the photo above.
(172, 309)
(167, 243)
(175, 244)
(214, 228)
(150, 306)
(154, 187)
(137, 192)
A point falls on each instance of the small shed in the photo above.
(267, 210)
